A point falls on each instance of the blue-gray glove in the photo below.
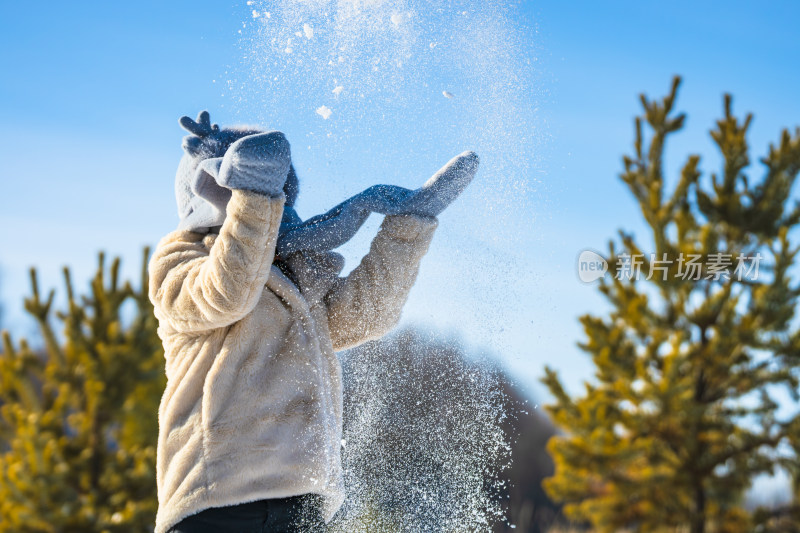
(201, 199)
(430, 199)
(257, 163)
(219, 160)
(340, 224)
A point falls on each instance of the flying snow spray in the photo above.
(373, 91)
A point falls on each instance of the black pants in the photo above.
(298, 514)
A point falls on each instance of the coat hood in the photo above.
(201, 202)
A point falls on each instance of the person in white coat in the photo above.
(250, 423)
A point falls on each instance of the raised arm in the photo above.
(334, 228)
(194, 288)
(367, 303)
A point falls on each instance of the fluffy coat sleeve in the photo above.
(367, 303)
(194, 288)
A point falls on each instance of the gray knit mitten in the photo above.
(429, 200)
(257, 163)
(439, 191)
(334, 228)
(214, 162)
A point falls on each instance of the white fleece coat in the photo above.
(253, 404)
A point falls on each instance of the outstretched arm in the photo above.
(334, 228)
(367, 303)
(340, 224)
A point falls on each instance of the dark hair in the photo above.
(292, 187)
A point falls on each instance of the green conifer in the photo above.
(681, 414)
(78, 419)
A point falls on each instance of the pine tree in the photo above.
(681, 416)
(78, 422)
(1, 303)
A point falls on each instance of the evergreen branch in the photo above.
(41, 312)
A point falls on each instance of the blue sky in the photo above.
(546, 92)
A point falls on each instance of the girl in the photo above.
(251, 418)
